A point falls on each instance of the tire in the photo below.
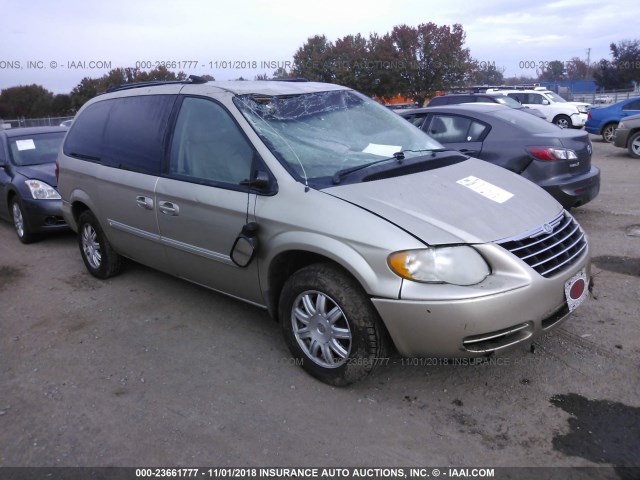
(347, 339)
(563, 121)
(20, 223)
(634, 145)
(609, 131)
(96, 251)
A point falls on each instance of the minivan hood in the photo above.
(438, 210)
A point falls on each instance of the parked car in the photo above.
(348, 224)
(555, 108)
(603, 99)
(628, 135)
(458, 98)
(559, 160)
(28, 194)
(604, 120)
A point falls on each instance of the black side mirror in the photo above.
(245, 246)
(260, 182)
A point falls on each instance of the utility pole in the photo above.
(588, 62)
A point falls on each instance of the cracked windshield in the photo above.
(319, 134)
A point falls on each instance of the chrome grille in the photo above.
(550, 253)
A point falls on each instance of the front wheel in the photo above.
(20, 223)
(563, 121)
(98, 255)
(331, 326)
(634, 145)
(609, 132)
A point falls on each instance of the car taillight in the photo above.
(589, 114)
(552, 153)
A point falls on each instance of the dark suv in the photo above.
(457, 98)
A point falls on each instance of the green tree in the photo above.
(385, 81)
(280, 74)
(431, 58)
(626, 57)
(85, 91)
(61, 105)
(30, 101)
(552, 72)
(623, 70)
(315, 60)
(352, 63)
(487, 74)
(576, 69)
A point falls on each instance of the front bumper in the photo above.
(43, 215)
(578, 120)
(482, 323)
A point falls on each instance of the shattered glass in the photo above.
(318, 134)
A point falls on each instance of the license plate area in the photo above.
(576, 290)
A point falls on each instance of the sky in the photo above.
(56, 44)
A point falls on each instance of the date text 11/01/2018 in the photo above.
(215, 64)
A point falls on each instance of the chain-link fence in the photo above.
(33, 122)
(611, 96)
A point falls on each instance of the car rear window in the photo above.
(526, 121)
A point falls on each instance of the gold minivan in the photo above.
(355, 229)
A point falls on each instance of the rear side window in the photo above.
(436, 101)
(455, 129)
(520, 97)
(84, 139)
(125, 133)
(635, 105)
(534, 99)
(135, 133)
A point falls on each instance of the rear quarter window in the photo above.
(127, 133)
(635, 105)
(437, 101)
(85, 137)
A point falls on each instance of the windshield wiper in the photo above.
(398, 156)
(337, 177)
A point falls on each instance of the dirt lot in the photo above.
(147, 370)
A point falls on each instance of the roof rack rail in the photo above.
(294, 79)
(192, 79)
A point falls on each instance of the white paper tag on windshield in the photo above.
(382, 150)
(486, 189)
(25, 144)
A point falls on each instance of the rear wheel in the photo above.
(609, 131)
(563, 121)
(98, 255)
(331, 326)
(634, 145)
(20, 222)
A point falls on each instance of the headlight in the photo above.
(42, 191)
(456, 265)
(583, 108)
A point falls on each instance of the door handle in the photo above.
(144, 202)
(169, 208)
